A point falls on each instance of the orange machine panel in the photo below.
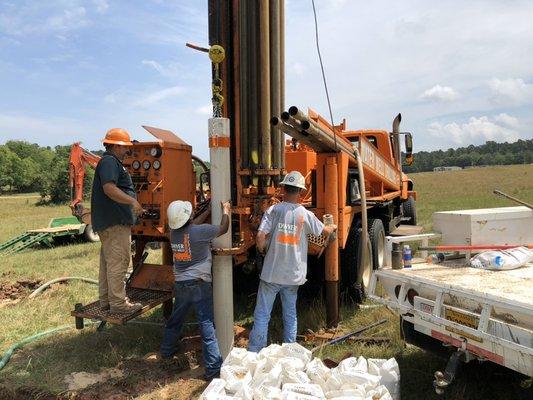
(162, 172)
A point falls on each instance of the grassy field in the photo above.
(40, 368)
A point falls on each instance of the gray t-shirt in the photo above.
(191, 247)
(286, 259)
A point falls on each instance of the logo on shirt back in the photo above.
(182, 251)
(290, 233)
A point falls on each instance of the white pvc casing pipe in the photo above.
(219, 133)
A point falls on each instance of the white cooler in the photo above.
(495, 226)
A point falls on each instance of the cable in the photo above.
(324, 75)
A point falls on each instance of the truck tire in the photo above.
(409, 211)
(90, 235)
(376, 235)
(354, 277)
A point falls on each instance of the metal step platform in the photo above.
(147, 297)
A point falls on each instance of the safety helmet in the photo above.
(294, 178)
(117, 136)
(178, 213)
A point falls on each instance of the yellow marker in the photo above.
(216, 54)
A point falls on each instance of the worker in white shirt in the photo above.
(284, 227)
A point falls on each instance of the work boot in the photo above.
(127, 307)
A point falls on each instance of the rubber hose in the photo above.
(9, 352)
(41, 288)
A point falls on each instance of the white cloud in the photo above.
(205, 110)
(508, 120)
(156, 97)
(513, 89)
(477, 130)
(101, 6)
(171, 70)
(298, 68)
(440, 93)
(28, 21)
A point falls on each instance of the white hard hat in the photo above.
(178, 213)
(294, 178)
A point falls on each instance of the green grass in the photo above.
(43, 365)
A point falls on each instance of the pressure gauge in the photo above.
(136, 164)
(146, 164)
(155, 151)
(157, 164)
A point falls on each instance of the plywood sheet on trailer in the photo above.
(57, 229)
(515, 285)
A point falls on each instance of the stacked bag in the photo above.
(288, 372)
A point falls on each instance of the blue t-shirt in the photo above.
(191, 247)
(106, 212)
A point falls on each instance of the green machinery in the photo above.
(63, 227)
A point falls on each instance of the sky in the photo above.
(459, 72)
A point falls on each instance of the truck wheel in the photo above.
(376, 235)
(90, 235)
(409, 210)
(354, 276)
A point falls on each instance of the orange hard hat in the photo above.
(117, 136)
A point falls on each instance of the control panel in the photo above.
(161, 172)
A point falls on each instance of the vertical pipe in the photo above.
(244, 84)
(222, 265)
(275, 83)
(282, 74)
(253, 98)
(332, 252)
(264, 87)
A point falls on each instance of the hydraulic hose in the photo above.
(44, 286)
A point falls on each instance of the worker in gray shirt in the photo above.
(282, 235)
(191, 248)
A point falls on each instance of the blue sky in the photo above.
(460, 72)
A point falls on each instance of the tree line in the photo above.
(28, 168)
(490, 153)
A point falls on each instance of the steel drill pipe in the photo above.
(252, 130)
(244, 102)
(275, 105)
(264, 87)
(296, 134)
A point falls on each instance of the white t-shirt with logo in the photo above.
(286, 259)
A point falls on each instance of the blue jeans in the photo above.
(265, 300)
(199, 294)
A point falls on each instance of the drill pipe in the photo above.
(296, 134)
(252, 129)
(275, 79)
(264, 87)
(282, 75)
(244, 102)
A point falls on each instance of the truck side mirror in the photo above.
(408, 148)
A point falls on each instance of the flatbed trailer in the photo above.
(480, 314)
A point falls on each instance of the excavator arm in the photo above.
(79, 159)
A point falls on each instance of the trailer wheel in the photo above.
(376, 235)
(409, 210)
(90, 235)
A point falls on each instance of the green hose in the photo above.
(9, 352)
(7, 355)
(41, 288)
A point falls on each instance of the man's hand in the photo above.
(226, 207)
(329, 229)
(137, 208)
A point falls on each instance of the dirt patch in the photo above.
(81, 380)
(14, 291)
